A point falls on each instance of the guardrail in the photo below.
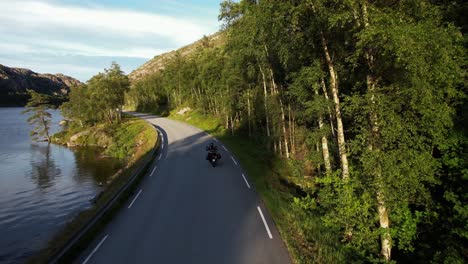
(80, 234)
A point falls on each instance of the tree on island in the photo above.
(37, 108)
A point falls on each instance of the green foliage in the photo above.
(147, 95)
(128, 136)
(100, 100)
(401, 69)
(127, 140)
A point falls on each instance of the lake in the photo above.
(42, 186)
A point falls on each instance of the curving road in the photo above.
(186, 211)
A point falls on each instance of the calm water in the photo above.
(42, 186)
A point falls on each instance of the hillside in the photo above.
(14, 83)
(157, 63)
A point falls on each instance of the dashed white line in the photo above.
(225, 148)
(264, 222)
(160, 155)
(152, 172)
(95, 249)
(134, 199)
(234, 160)
(246, 182)
(162, 146)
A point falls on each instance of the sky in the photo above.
(80, 38)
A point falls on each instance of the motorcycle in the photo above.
(213, 156)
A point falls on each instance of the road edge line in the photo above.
(246, 182)
(95, 249)
(134, 199)
(264, 222)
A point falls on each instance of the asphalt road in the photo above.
(186, 211)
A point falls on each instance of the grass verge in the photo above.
(307, 239)
(134, 137)
(128, 140)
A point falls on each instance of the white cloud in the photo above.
(15, 48)
(125, 23)
(65, 68)
(78, 39)
(63, 48)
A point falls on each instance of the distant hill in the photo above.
(157, 63)
(14, 83)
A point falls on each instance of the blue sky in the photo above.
(81, 38)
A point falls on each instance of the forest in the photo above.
(368, 97)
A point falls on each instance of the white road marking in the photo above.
(246, 182)
(162, 146)
(264, 222)
(152, 172)
(234, 160)
(159, 156)
(134, 199)
(225, 148)
(95, 249)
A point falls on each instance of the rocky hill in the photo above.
(14, 83)
(157, 63)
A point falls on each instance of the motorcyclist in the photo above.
(212, 150)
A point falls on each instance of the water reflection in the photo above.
(42, 186)
(91, 161)
(44, 170)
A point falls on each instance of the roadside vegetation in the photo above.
(94, 117)
(128, 140)
(350, 116)
(307, 239)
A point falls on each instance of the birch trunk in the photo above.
(249, 113)
(330, 113)
(325, 152)
(227, 121)
(317, 147)
(280, 144)
(371, 81)
(216, 106)
(283, 119)
(199, 93)
(291, 135)
(336, 100)
(120, 113)
(283, 123)
(293, 142)
(265, 93)
(232, 126)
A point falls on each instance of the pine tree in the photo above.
(39, 117)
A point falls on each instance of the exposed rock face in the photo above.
(158, 62)
(184, 110)
(14, 83)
